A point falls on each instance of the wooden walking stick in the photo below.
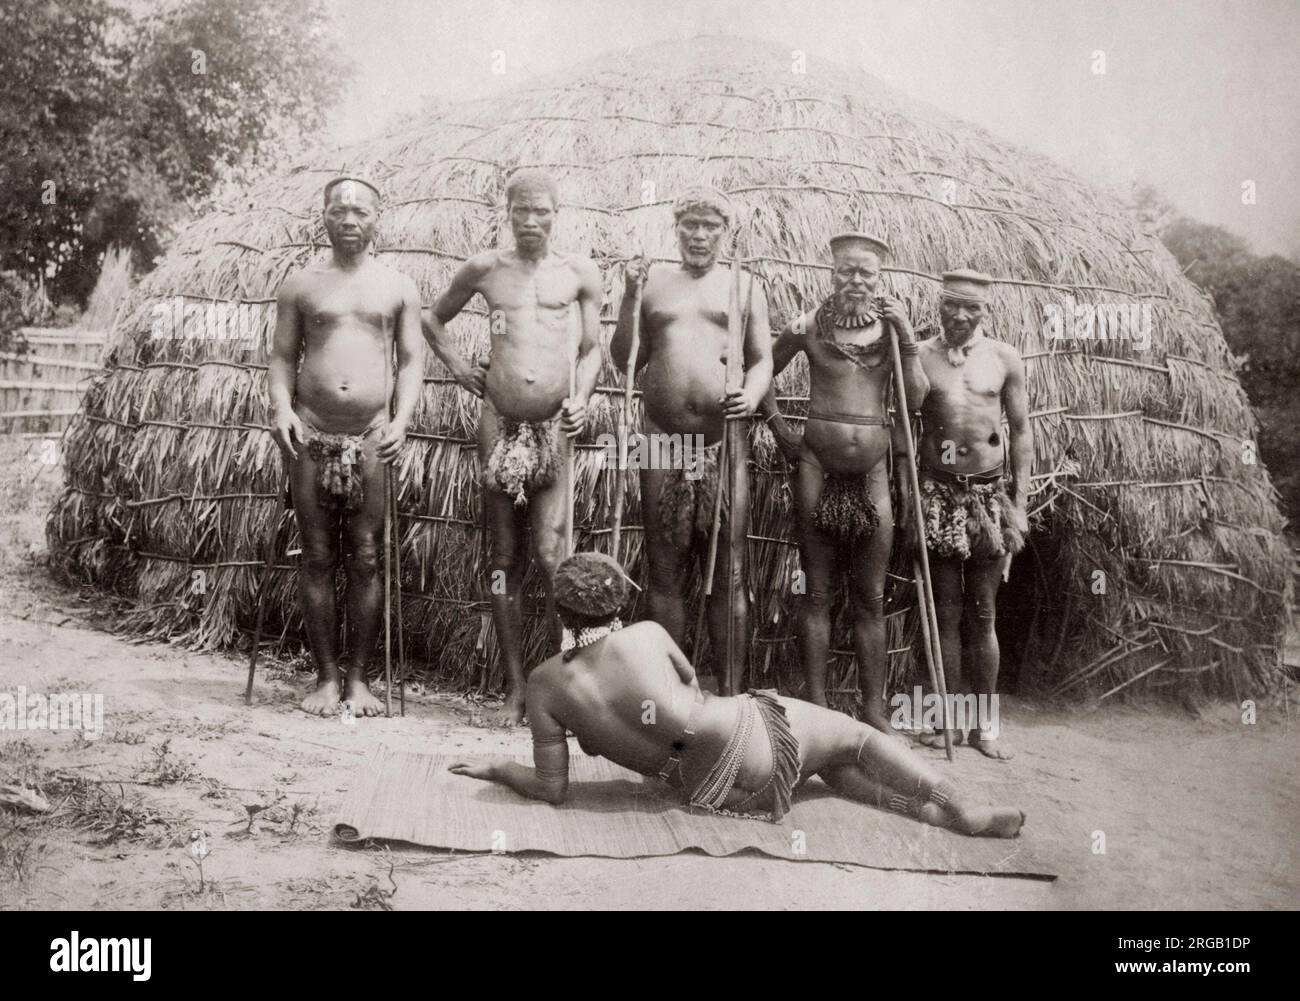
(929, 620)
(625, 427)
(263, 584)
(711, 563)
(736, 323)
(397, 560)
(484, 592)
(921, 562)
(570, 452)
(737, 430)
(933, 648)
(388, 537)
(930, 626)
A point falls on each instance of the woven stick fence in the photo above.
(1157, 559)
(43, 375)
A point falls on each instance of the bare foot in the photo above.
(510, 714)
(990, 822)
(323, 700)
(935, 739)
(981, 822)
(358, 694)
(989, 747)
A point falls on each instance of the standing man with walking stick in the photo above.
(330, 417)
(684, 313)
(535, 385)
(973, 486)
(845, 516)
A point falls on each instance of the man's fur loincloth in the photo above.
(968, 521)
(845, 510)
(686, 502)
(524, 458)
(339, 459)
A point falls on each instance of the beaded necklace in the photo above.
(588, 635)
(958, 354)
(866, 356)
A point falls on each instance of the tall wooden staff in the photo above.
(712, 561)
(570, 465)
(391, 480)
(625, 427)
(736, 323)
(921, 562)
(261, 600)
(388, 537)
(736, 432)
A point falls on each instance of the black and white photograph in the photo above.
(655, 455)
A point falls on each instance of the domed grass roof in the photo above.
(1156, 557)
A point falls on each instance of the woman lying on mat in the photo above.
(630, 695)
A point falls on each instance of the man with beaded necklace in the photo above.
(841, 483)
(973, 507)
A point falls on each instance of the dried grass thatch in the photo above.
(1139, 456)
(112, 287)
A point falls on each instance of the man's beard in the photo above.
(701, 261)
(854, 307)
(954, 336)
(849, 306)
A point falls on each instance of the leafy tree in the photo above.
(1258, 302)
(63, 66)
(118, 122)
(1257, 299)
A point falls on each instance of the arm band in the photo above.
(908, 349)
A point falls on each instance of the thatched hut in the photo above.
(1156, 558)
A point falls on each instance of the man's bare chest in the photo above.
(549, 288)
(688, 310)
(840, 354)
(978, 381)
(324, 306)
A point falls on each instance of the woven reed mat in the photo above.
(399, 795)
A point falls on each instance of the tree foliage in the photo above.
(1258, 302)
(116, 122)
(1257, 298)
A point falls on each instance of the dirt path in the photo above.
(1197, 811)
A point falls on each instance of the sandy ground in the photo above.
(1198, 810)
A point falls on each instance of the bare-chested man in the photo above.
(842, 483)
(974, 512)
(330, 417)
(630, 695)
(684, 311)
(524, 382)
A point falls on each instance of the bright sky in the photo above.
(1197, 97)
